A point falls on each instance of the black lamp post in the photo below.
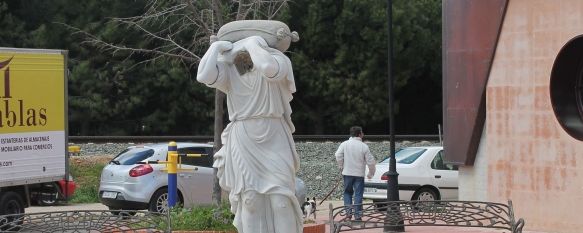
(392, 183)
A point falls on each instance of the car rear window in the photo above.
(132, 156)
(407, 155)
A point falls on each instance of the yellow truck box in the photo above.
(33, 117)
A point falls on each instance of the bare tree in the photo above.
(181, 30)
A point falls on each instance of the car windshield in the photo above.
(132, 156)
(406, 155)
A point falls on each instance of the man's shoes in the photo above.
(358, 219)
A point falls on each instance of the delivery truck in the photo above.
(33, 124)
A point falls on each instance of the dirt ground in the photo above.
(90, 160)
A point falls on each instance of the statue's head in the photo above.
(243, 62)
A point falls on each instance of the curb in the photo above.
(204, 232)
(315, 228)
(308, 228)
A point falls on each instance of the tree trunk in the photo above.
(217, 144)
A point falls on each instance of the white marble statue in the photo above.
(258, 161)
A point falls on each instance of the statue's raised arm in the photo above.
(264, 58)
(208, 69)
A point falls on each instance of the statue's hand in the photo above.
(229, 55)
(222, 46)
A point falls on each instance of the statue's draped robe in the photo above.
(258, 152)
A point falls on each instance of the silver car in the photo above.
(134, 181)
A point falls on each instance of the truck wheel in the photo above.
(11, 204)
(49, 195)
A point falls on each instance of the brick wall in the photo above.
(524, 153)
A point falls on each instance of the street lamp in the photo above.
(392, 182)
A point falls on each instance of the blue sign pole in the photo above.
(172, 171)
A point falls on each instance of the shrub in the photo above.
(86, 173)
(203, 218)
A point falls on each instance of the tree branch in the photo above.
(180, 29)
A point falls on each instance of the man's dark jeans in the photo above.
(353, 185)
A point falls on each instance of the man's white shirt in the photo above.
(353, 155)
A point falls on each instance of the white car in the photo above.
(422, 176)
(134, 181)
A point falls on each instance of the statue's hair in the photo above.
(243, 62)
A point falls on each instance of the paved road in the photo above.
(65, 207)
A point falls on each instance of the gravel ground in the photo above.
(318, 167)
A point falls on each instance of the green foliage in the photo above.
(202, 218)
(111, 94)
(340, 65)
(86, 177)
(86, 194)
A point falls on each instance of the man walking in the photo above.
(352, 157)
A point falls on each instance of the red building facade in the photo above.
(513, 112)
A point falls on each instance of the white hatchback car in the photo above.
(422, 176)
(134, 181)
(128, 182)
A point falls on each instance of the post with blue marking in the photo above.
(172, 172)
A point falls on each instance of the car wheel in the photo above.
(425, 194)
(122, 212)
(380, 205)
(159, 201)
(11, 204)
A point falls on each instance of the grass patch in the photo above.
(203, 218)
(309, 221)
(86, 172)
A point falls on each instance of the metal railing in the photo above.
(90, 221)
(297, 138)
(426, 213)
